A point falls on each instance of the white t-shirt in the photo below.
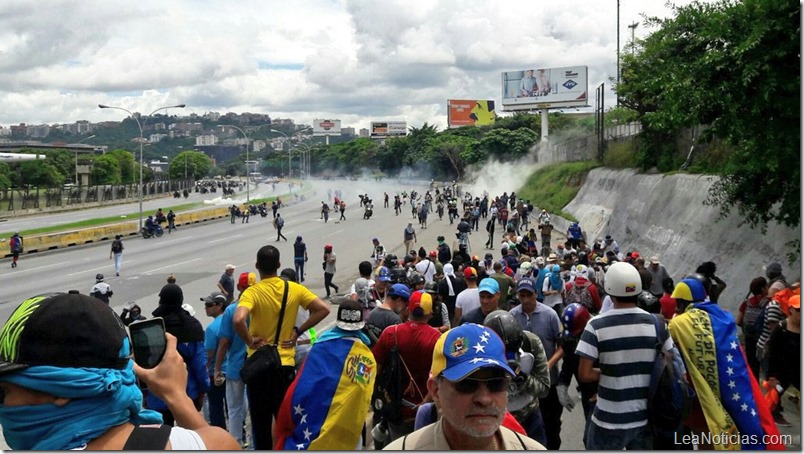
(468, 300)
(427, 269)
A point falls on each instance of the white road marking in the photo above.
(25, 270)
(105, 267)
(223, 239)
(170, 266)
(334, 233)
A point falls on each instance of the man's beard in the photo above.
(499, 414)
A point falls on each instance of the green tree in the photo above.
(5, 176)
(504, 144)
(126, 164)
(105, 170)
(735, 67)
(198, 165)
(38, 173)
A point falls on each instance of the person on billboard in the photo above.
(543, 84)
(527, 85)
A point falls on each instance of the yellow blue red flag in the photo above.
(732, 402)
(326, 405)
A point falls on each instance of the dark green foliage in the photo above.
(734, 66)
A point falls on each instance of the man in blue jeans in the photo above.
(230, 356)
(299, 257)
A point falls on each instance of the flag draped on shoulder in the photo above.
(735, 410)
(326, 405)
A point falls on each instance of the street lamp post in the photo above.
(633, 27)
(76, 157)
(248, 140)
(290, 162)
(139, 125)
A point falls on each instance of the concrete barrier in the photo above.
(50, 241)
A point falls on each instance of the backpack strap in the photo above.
(148, 438)
(521, 441)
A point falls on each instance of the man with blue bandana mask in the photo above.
(67, 381)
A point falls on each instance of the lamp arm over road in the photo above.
(140, 125)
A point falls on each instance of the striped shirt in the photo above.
(623, 342)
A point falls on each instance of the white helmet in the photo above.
(582, 270)
(622, 279)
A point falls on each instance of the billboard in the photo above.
(472, 112)
(326, 127)
(383, 129)
(545, 88)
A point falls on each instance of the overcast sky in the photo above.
(354, 60)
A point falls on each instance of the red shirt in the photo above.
(416, 342)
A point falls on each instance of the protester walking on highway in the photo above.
(69, 382)
(117, 253)
(299, 257)
(101, 290)
(190, 344)
(332, 390)
(329, 269)
(226, 283)
(279, 222)
(16, 246)
(171, 219)
(272, 304)
(214, 305)
(469, 380)
(623, 342)
(230, 356)
(409, 236)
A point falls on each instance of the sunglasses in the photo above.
(470, 385)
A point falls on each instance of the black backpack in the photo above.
(754, 318)
(387, 398)
(117, 246)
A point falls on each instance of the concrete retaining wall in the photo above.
(665, 216)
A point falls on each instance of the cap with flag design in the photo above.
(465, 349)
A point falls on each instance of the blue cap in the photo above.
(465, 349)
(400, 290)
(383, 275)
(526, 284)
(489, 285)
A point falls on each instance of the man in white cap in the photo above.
(659, 274)
(469, 380)
(226, 283)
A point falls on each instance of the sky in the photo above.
(354, 60)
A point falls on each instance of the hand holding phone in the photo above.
(148, 341)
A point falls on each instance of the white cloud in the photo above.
(357, 60)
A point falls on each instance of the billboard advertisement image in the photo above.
(383, 129)
(471, 112)
(326, 127)
(544, 88)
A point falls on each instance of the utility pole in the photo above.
(618, 53)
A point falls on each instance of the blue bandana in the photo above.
(99, 400)
(337, 333)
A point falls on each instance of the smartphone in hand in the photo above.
(148, 341)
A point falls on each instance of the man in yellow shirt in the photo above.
(262, 302)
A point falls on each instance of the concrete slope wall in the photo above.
(665, 216)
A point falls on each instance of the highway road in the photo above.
(197, 255)
(129, 211)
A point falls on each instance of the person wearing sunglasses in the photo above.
(469, 380)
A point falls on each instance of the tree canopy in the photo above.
(735, 68)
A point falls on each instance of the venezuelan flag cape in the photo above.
(326, 405)
(735, 409)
